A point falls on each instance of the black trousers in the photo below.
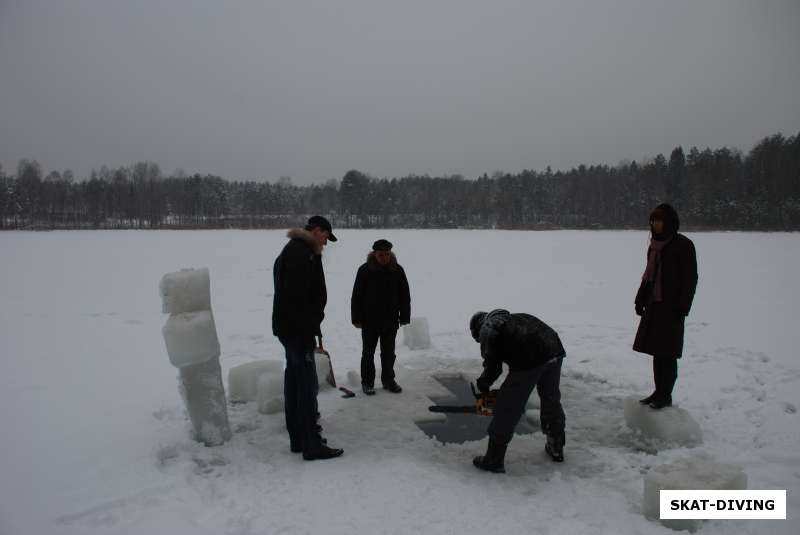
(369, 338)
(514, 394)
(665, 373)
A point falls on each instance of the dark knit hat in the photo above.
(321, 222)
(475, 324)
(382, 245)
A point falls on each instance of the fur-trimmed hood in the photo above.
(373, 264)
(306, 236)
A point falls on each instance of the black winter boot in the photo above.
(648, 399)
(323, 452)
(555, 447)
(392, 387)
(661, 402)
(495, 455)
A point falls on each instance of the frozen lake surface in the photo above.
(95, 439)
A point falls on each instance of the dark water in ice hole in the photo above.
(460, 428)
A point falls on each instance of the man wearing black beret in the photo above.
(381, 302)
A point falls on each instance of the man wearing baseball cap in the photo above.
(297, 312)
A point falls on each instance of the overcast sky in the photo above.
(311, 89)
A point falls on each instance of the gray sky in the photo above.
(311, 89)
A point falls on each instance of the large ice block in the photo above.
(187, 290)
(353, 378)
(243, 379)
(699, 472)
(269, 394)
(416, 334)
(191, 338)
(204, 394)
(672, 425)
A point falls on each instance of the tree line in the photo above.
(711, 189)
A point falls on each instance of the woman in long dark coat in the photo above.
(664, 300)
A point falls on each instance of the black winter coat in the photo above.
(520, 340)
(381, 298)
(660, 330)
(300, 294)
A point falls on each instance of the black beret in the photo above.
(382, 245)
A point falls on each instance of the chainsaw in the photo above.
(484, 404)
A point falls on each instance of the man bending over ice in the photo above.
(533, 353)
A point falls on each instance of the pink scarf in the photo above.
(652, 273)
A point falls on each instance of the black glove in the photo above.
(639, 310)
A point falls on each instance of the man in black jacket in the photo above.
(297, 311)
(381, 302)
(533, 352)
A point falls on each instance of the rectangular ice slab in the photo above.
(191, 338)
(694, 473)
(270, 393)
(416, 334)
(243, 379)
(204, 395)
(672, 424)
(187, 290)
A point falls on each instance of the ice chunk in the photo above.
(270, 393)
(323, 363)
(697, 472)
(534, 402)
(204, 394)
(191, 338)
(187, 290)
(672, 425)
(353, 378)
(416, 334)
(532, 415)
(243, 379)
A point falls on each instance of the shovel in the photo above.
(329, 377)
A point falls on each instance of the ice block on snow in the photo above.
(270, 393)
(243, 379)
(700, 472)
(673, 425)
(416, 334)
(191, 338)
(204, 394)
(187, 290)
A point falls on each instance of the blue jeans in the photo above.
(300, 388)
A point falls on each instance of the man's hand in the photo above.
(483, 388)
(486, 403)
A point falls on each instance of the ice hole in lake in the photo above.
(455, 427)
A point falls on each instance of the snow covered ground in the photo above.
(95, 440)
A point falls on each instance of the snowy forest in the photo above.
(712, 189)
